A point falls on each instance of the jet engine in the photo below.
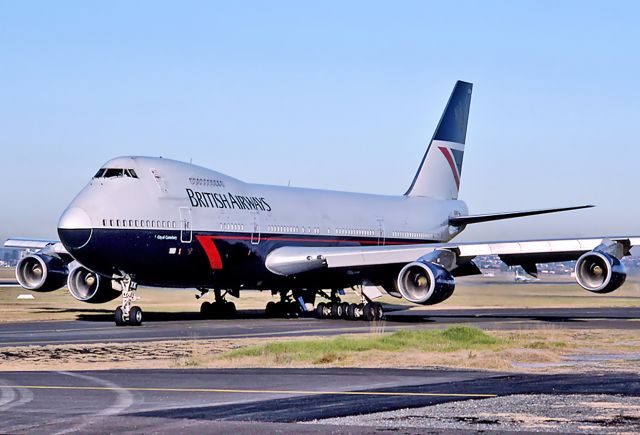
(88, 286)
(600, 272)
(41, 272)
(426, 283)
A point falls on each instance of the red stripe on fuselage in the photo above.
(211, 250)
(454, 169)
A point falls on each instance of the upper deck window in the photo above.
(115, 172)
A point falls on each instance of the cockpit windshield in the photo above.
(115, 172)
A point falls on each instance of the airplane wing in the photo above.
(294, 260)
(46, 244)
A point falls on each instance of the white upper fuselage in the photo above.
(168, 193)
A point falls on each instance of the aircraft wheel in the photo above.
(230, 309)
(379, 310)
(118, 317)
(292, 309)
(351, 312)
(135, 316)
(369, 312)
(205, 309)
(271, 309)
(320, 310)
(336, 311)
(343, 309)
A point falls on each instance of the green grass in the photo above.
(321, 351)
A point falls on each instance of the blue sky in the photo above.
(337, 95)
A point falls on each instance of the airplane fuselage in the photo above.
(175, 224)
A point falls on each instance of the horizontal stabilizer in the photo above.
(459, 221)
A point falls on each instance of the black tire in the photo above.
(359, 311)
(292, 309)
(135, 316)
(351, 312)
(334, 311)
(369, 312)
(119, 317)
(205, 309)
(271, 309)
(343, 308)
(230, 309)
(320, 310)
(379, 310)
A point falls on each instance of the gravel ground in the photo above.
(533, 413)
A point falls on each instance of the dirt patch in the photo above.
(103, 356)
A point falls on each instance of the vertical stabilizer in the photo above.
(441, 168)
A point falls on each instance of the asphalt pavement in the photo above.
(99, 328)
(248, 400)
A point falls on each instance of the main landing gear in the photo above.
(336, 309)
(286, 307)
(220, 309)
(126, 314)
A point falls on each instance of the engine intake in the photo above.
(42, 273)
(599, 272)
(426, 283)
(88, 286)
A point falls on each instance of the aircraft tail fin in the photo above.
(439, 173)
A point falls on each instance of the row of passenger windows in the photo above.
(354, 232)
(232, 227)
(150, 223)
(139, 223)
(292, 229)
(410, 235)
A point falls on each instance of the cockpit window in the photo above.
(115, 172)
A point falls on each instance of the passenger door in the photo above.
(186, 233)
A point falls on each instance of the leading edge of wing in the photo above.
(20, 243)
(294, 260)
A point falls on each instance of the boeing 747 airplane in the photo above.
(157, 222)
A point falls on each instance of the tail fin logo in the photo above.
(454, 158)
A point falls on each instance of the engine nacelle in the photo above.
(426, 283)
(600, 272)
(42, 273)
(88, 286)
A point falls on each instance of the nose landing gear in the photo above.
(126, 314)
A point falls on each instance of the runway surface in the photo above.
(248, 400)
(99, 328)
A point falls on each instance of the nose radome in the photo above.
(74, 228)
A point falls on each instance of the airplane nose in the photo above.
(74, 228)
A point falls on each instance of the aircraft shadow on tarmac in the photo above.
(399, 315)
(156, 316)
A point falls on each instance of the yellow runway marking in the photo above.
(239, 391)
